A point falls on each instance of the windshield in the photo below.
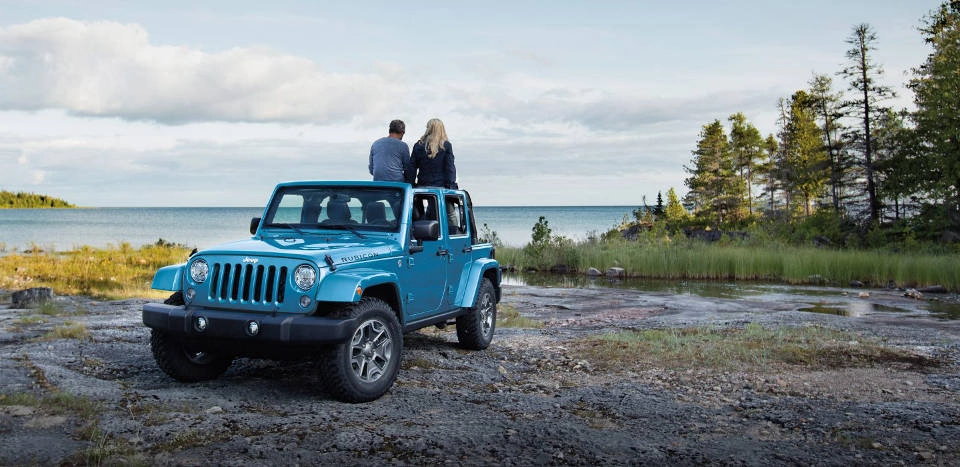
(346, 208)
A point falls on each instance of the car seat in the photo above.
(338, 212)
(375, 213)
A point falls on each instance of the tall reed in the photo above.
(790, 264)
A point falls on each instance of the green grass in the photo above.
(795, 265)
(110, 273)
(69, 330)
(55, 403)
(30, 319)
(509, 317)
(753, 346)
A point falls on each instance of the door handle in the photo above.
(443, 252)
(467, 249)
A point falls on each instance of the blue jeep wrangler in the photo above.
(335, 271)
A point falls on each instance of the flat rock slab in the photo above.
(531, 398)
(31, 298)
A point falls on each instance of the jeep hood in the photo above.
(340, 248)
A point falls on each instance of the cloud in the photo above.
(111, 69)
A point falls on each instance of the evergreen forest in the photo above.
(843, 167)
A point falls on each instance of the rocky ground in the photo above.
(91, 393)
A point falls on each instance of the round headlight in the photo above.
(305, 276)
(198, 271)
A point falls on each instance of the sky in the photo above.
(185, 103)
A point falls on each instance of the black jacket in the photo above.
(439, 171)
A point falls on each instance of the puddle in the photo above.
(701, 289)
(852, 309)
(812, 299)
(945, 310)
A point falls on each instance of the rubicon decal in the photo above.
(365, 255)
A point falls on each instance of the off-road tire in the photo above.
(475, 328)
(184, 364)
(364, 367)
(175, 299)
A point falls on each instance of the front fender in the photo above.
(470, 281)
(348, 286)
(168, 278)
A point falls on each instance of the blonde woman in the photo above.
(433, 157)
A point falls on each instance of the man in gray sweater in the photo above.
(390, 157)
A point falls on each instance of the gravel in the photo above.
(528, 399)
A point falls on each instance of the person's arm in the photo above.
(370, 165)
(450, 168)
(409, 165)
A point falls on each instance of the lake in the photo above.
(64, 229)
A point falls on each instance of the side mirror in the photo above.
(254, 223)
(426, 230)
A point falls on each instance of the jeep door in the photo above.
(458, 244)
(426, 279)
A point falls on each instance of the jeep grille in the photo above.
(231, 282)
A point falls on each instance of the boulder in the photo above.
(30, 298)
(559, 269)
(856, 283)
(593, 272)
(616, 272)
(913, 293)
(933, 289)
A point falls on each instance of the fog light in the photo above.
(189, 295)
(253, 328)
(305, 301)
(200, 324)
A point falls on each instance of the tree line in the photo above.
(844, 159)
(30, 200)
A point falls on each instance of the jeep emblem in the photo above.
(250, 260)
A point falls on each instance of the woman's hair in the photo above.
(434, 137)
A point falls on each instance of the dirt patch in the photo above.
(532, 398)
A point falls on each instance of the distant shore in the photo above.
(24, 200)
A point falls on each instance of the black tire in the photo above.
(184, 364)
(475, 328)
(363, 368)
(175, 299)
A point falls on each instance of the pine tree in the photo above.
(715, 188)
(767, 171)
(747, 147)
(936, 87)
(805, 153)
(827, 107)
(674, 212)
(895, 152)
(862, 74)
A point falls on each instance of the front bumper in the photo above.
(233, 325)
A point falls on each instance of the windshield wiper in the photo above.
(351, 228)
(286, 226)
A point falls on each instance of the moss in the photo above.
(509, 317)
(752, 346)
(69, 330)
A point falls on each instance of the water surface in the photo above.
(812, 299)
